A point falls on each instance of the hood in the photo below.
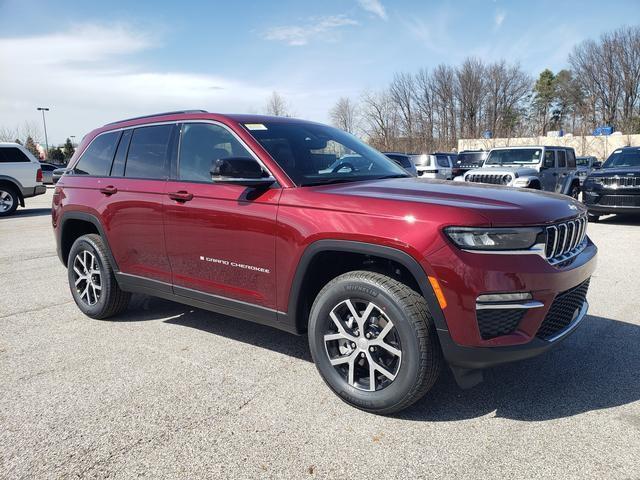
(516, 170)
(612, 172)
(500, 206)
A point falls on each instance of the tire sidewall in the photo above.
(87, 243)
(407, 376)
(14, 197)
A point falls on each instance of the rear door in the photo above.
(220, 237)
(16, 164)
(561, 170)
(133, 196)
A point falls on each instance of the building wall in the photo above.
(600, 146)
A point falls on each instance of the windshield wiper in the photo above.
(329, 181)
(395, 175)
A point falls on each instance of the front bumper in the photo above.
(604, 201)
(464, 276)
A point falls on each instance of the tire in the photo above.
(412, 333)
(8, 200)
(574, 191)
(92, 281)
(593, 218)
(535, 186)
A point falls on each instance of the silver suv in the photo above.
(542, 168)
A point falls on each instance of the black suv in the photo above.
(615, 188)
(468, 159)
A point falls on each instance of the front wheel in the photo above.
(374, 342)
(574, 192)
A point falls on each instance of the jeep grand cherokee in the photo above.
(392, 277)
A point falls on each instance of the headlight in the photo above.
(521, 182)
(480, 238)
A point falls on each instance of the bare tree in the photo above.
(471, 91)
(344, 115)
(626, 44)
(382, 119)
(8, 134)
(277, 105)
(507, 89)
(445, 105)
(424, 105)
(402, 93)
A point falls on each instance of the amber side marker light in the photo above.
(438, 291)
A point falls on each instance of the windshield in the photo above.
(313, 154)
(515, 156)
(583, 161)
(473, 159)
(621, 159)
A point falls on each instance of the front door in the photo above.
(548, 171)
(220, 238)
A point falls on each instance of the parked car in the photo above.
(435, 165)
(405, 160)
(390, 277)
(47, 173)
(585, 165)
(541, 168)
(20, 177)
(615, 188)
(468, 159)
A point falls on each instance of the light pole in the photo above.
(46, 141)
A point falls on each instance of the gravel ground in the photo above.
(168, 391)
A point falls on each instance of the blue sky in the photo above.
(93, 62)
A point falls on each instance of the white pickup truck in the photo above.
(20, 177)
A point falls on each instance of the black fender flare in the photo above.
(390, 253)
(86, 217)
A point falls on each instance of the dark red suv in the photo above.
(303, 227)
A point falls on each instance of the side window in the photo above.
(149, 152)
(201, 145)
(12, 155)
(571, 159)
(443, 160)
(117, 169)
(96, 159)
(549, 159)
(562, 159)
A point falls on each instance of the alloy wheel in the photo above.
(363, 345)
(6, 201)
(87, 277)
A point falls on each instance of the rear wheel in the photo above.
(373, 341)
(8, 200)
(92, 281)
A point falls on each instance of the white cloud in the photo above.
(297, 35)
(88, 77)
(499, 17)
(375, 7)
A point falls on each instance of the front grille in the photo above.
(495, 179)
(563, 311)
(619, 182)
(565, 238)
(498, 321)
(620, 200)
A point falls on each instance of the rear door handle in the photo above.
(180, 196)
(109, 190)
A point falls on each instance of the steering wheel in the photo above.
(342, 165)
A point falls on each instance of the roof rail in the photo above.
(156, 115)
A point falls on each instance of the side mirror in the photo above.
(240, 171)
(597, 165)
(57, 173)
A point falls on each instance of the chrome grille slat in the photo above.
(565, 239)
(620, 182)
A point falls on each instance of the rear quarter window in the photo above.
(562, 159)
(96, 159)
(12, 155)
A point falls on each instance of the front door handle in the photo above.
(180, 196)
(109, 190)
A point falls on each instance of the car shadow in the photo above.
(620, 219)
(596, 368)
(29, 212)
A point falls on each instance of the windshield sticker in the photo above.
(255, 126)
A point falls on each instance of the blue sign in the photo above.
(486, 134)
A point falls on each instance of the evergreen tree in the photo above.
(68, 150)
(544, 96)
(30, 145)
(56, 155)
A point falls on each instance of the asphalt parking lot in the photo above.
(167, 391)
